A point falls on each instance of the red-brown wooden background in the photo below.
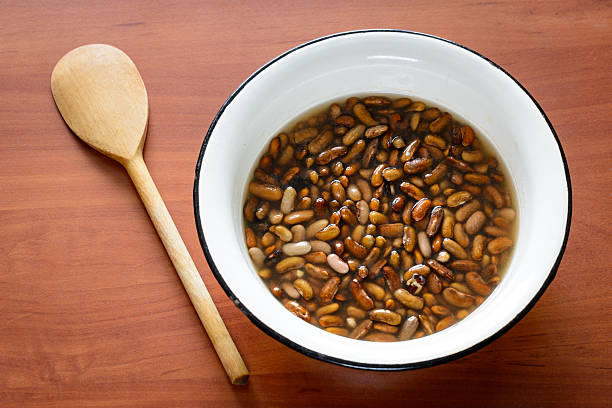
(91, 311)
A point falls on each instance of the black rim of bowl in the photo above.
(354, 364)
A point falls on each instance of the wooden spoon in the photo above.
(101, 96)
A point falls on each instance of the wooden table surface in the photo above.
(91, 310)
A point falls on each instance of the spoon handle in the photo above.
(186, 269)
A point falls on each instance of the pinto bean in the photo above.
(457, 298)
(298, 310)
(441, 270)
(475, 222)
(353, 134)
(416, 166)
(477, 284)
(361, 112)
(360, 295)
(420, 209)
(362, 329)
(499, 245)
(321, 142)
(328, 155)
(385, 316)
(435, 221)
(329, 290)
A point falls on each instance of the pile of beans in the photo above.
(379, 219)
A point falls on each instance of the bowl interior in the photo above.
(397, 63)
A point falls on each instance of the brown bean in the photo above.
(436, 174)
(377, 218)
(375, 131)
(265, 191)
(441, 310)
(495, 231)
(360, 111)
(409, 238)
(331, 154)
(394, 230)
(508, 213)
(362, 329)
(377, 177)
(410, 150)
(380, 337)
(249, 209)
(331, 321)
(327, 309)
(305, 135)
(445, 322)
(434, 284)
(426, 324)
(435, 221)
(329, 290)
(478, 247)
(477, 284)
(475, 222)
(392, 278)
(372, 256)
(376, 101)
(407, 299)
(345, 120)
(459, 164)
(328, 233)
(355, 248)
(374, 290)
(435, 141)
(448, 224)
(440, 123)
(499, 245)
(298, 310)
(458, 198)
(289, 263)
(476, 178)
(385, 316)
(250, 238)
(338, 191)
(319, 143)
(353, 134)
(408, 328)
(465, 265)
(424, 244)
(493, 195)
(460, 236)
(353, 153)
(360, 295)
(304, 288)
(298, 217)
(392, 174)
(412, 190)
(385, 328)
(473, 156)
(399, 202)
(454, 248)
(467, 136)
(316, 271)
(441, 270)
(457, 298)
(420, 209)
(466, 210)
(418, 165)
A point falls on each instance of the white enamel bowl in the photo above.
(385, 62)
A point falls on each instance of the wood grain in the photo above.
(92, 313)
